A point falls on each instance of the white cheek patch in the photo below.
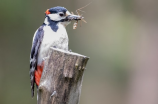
(55, 17)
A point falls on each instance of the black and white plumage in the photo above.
(51, 34)
(34, 55)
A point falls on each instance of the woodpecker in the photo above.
(51, 33)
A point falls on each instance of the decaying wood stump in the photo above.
(62, 77)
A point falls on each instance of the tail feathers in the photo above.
(32, 88)
(35, 75)
(32, 71)
(32, 91)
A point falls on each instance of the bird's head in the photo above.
(61, 14)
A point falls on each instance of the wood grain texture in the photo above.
(62, 77)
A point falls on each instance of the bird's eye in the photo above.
(61, 14)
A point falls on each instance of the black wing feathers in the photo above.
(34, 54)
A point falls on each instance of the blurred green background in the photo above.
(120, 38)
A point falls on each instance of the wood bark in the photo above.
(62, 77)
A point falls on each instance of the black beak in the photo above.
(74, 17)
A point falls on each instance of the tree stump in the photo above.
(62, 77)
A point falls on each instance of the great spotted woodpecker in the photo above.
(51, 33)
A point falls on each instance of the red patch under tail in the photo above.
(38, 73)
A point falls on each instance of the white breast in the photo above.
(58, 39)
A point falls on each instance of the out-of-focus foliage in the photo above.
(109, 39)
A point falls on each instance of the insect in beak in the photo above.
(74, 17)
(79, 16)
